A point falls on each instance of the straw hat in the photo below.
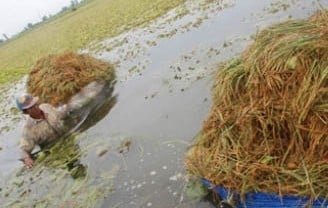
(26, 101)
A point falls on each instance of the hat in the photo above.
(26, 101)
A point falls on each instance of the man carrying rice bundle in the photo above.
(64, 90)
(44, 124)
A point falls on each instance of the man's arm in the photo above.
(27, 145)
(27, 159)
(63, 111)
(59, 112)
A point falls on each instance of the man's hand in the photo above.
(28, 161)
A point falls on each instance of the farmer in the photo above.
(44, 125)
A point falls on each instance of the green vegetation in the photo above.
(56, 169)
(93, 21)
(8, 75)
(267, 129)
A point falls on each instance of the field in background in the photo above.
(74, 30)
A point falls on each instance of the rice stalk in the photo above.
(267, 128)
(56, 78)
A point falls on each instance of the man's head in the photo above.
(28, 105)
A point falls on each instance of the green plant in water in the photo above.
(59, 179)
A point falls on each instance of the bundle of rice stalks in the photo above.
(55, 78)
(267, 129)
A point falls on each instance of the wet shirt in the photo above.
(39, 131)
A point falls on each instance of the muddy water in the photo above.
(133, 156)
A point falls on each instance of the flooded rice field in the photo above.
(130, 152)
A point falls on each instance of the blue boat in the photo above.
(264, 200)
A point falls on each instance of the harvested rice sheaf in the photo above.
(267, 129)
(55, 78)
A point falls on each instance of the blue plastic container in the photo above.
(264, 200)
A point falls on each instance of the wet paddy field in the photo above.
(131, 152)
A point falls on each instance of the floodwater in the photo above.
(131, 153)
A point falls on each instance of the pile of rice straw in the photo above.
(55, 78)
(267, 129)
